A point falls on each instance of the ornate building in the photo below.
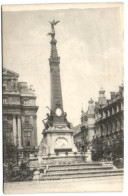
(109, 113)
(19, 113)
(103, 120)
(85, 131)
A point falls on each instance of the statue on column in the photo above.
(53, 23)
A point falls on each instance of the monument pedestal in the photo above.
(58, 140)
(41, 161)
(57, 147)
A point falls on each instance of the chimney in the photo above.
(112, 95)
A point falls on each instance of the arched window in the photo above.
(27, 138)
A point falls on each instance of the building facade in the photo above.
(103, 121)
(109, 113)
(19, 113)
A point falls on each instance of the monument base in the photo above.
(57, 140)
(41, 160)
(62, 159)
(57, 147)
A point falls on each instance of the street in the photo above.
(72, 185)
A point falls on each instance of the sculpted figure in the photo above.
(53, 23)
(65, 118)
(48, 122)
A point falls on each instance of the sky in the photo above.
(90, 46)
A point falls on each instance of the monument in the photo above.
(58, 157)
(57, 145)
(57, 135)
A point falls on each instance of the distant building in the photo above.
(77, 137)
(102, 119)
(19, 113)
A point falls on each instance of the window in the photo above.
(15, 85)
(9, 117)
(4, 118)
(7, 136)
(4, 100)
(27, 138)
(27, 118)
(4, 88)
(9, 85)
(25, 102)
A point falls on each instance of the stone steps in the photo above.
(62, 165)
(65, 169)
(80, 170)
(75, 165)
(82, 175)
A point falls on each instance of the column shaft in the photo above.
(19, 132)
(35, 130)
(14, 130)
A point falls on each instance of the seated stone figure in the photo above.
(65, 118)
(48, 122)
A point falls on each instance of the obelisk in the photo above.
(57, 135)
(56, 92)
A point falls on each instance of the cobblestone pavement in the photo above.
(76, 185)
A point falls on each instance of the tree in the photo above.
(106, 149)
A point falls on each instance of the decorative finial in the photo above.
(82, 110)
(101, 91)
(91, 101)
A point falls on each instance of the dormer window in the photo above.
(25, 102)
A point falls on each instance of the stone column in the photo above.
(108, 112)
(117, 108)
(35, 131)
(101, 129)
(19, 133)
(104, 115)
(113, 111)
(122, 123)
(14, 130)
(122, 106)
(118, 125)
(113, 126)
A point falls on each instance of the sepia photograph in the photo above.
(63, 98)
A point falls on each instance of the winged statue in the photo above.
(53, 23)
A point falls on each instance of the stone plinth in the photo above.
(89, 156)
(59, 140)
(56, 160)
(61, 159)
